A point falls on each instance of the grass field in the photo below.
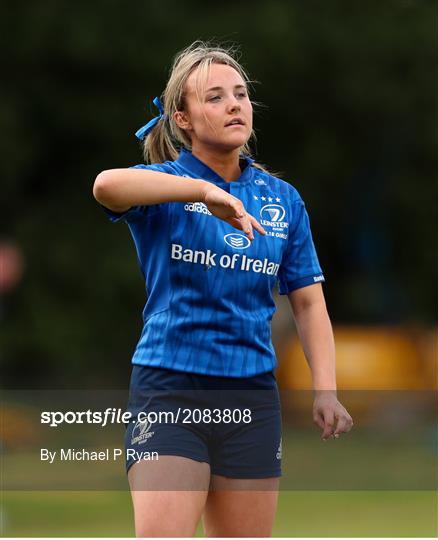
(381, 482)
(300, 513)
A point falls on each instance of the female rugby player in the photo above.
(214, 233)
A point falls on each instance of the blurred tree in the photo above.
(350, 95)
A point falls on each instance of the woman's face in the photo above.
(223, 117)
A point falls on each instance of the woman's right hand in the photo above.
(230, 209)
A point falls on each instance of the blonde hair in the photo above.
(166, 137)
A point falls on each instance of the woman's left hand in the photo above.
(326, 411)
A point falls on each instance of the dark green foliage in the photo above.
(350, 119)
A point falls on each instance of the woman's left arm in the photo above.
(316, 335)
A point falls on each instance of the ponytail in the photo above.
(158, 145)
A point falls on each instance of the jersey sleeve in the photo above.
(299, 266)
(138, 212)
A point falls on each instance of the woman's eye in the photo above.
(214, 98)
(242, 94)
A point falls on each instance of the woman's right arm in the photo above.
(119, 189)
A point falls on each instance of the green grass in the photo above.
(401, 463)
(300, 513)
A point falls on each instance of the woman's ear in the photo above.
(182, 119)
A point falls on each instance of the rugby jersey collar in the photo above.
(195, 166)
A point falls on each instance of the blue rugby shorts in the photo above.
(233, 424)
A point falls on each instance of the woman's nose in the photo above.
(234, 105)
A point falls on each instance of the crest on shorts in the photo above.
(141, 432)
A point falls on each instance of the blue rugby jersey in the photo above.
(209, 288)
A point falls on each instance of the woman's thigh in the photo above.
(240, 508)
(168, 495)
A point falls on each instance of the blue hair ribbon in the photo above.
(143, 131)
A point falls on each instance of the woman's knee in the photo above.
(165, 528)
(167, 513)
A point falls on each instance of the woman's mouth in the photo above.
(235, 122)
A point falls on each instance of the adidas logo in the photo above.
(199, 207)
(279, 451)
